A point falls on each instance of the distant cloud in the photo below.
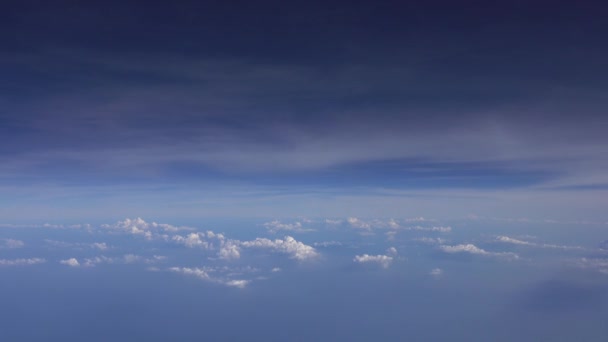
(204, 275)
(73, 262)
(276, 225)
(295, 249)
(102, 246)
(431, 240)
(472, 249)
(19, 262)
(506, 239)
(125, 259)
(229, 250)
(11, 243)
(138, 226)
(436, 272)
(327, 243)
(383, 260)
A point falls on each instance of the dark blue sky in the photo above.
(262, 108)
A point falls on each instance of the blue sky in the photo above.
(172, 102)
(332, 141)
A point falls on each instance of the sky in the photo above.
(364, 127)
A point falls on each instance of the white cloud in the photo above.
(240, 283)
(275, 226)
(138, 226)
(230, 250)
(506, 239)
(436, 272)
(382, 260)
(73, 262)
(18, 262)
(288, 245)
(431, 241)
(276, 269)
(125, 259)
(99, 245)
(472, 249)
(12, 243)
(358, 223)
(391, 251)
(600, 265)
(203, 274)
(327, 244)
(192, 240)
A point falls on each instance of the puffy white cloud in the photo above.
(138, 226)
(472, 249)
(295, 249)
(358, 223)
(391, 251)
(12, 243)
(192, 240)
(102, 246)
(18, 262)
(382, 260)
(276, 269)
(72, 262)
(230, 250)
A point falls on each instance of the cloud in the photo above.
(506, 239)
(72, 262)
(230, 250)
(125, 259)
(276, 225)
(600, 265)
(203, 274)
(358, 223)
(431, 240)
(192, 240)
(12, 243)
(382, 260)
(102, 246)
(288, 245)
(436, 272)
(19, 262)
(472, 249)
(138, 226)
(327, 243)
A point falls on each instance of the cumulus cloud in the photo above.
(138, 226)
(72, 262)
(295, 249)
(229, 250)
(102, 246)
(472, 249)
(382, 260)
(192, 240)
(19, 262)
